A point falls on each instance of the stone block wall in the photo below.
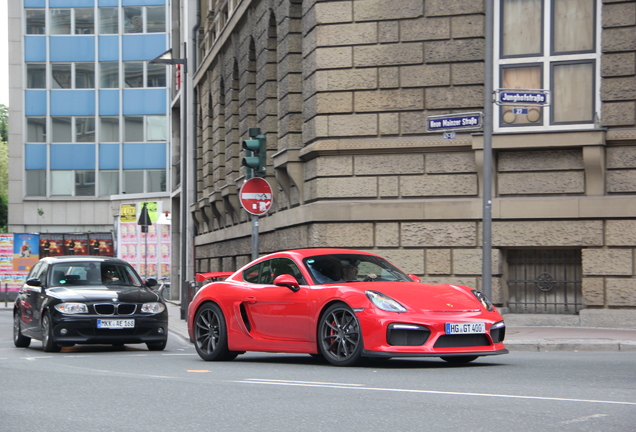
(342, 89)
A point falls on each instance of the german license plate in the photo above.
(115, 323)
(465, 328)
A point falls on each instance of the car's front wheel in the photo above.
(340, 336)
(210, 334)
(19, 339)
(48, 340)
(157, 346)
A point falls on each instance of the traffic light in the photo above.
(255, 153)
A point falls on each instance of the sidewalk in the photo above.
(518, 338)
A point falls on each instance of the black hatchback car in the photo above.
(72, 300)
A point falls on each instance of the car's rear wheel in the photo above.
(19, 339)
(459, 359)
(48, 340)
(157, 346)
(210, 334)
(339, 336)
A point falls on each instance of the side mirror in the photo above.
(288, 281)
(34, 282)
(150, 282)
(415, 278)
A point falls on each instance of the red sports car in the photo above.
(344, 305)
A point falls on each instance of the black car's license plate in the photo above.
(115, 323)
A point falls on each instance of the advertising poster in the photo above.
(26, 251)
(76, 244)
(148, 252)
(10, 279)
(51, 245)
(101, 244)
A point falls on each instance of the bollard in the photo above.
(6, 293)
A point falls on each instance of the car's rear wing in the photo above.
(200, 277)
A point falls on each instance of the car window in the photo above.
(282, 266)
(35, 270)
(352, 268)
(93, 274)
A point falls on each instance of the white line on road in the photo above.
(583, 419)
(355, 387)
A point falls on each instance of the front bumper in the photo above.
(82, 329)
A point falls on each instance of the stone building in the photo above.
(343, 88)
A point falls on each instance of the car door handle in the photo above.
(251, 300)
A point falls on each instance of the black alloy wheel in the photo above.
(210, 334)
(48, 340)
(19, 340)
(459, 359)
(339, 336)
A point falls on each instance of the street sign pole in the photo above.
(486, 270)
(254, 237)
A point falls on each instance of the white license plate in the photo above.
(115, 323)
(465, 328)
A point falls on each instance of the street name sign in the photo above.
(256, 196)
(454, 122)
(522, 97)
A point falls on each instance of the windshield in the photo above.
(92, 273)
(352, 268)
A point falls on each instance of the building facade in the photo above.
(343, 89)
(88, 112)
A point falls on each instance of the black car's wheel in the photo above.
(157, 346)
(459, 359)
(210, 334)
(19, 339)
(48, 340)
(339, 336)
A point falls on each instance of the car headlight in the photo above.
(153, 308)
(71, 308)
(384, 302)
(483, 300)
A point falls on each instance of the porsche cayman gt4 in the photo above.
(343, 305)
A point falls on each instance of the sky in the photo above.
(4, 54)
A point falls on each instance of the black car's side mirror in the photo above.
(36, 282)
(288, 281)
(150, 282)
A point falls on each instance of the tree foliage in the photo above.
(4, 123)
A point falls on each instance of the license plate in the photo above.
(115, 323)
(465, 328)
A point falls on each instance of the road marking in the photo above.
(583, 419)
(200, 371)
(393, 390)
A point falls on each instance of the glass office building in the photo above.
(88, 110)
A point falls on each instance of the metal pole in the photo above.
(185, 298)
(254, 237)
(486, 272)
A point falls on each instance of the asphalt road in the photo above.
(99, 388)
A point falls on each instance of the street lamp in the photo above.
(166, 58)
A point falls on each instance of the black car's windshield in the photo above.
(92, 273)
(352, 268)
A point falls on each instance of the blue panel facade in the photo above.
(143, 47)
(35, 156)
(71, 3)
(145, 101)
(108, 102)
(35, 102)
(109, 156)
(108, 48)
(34, 3)
(72, 156)
(143, 2)
(108, 3)
(72, 48)
(145, 156)
(73, 102)
(35, 48)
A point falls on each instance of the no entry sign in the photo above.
(256, 196)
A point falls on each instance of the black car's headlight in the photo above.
(153, 308)
(71, 308)
(384, 302)
(483, 300)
